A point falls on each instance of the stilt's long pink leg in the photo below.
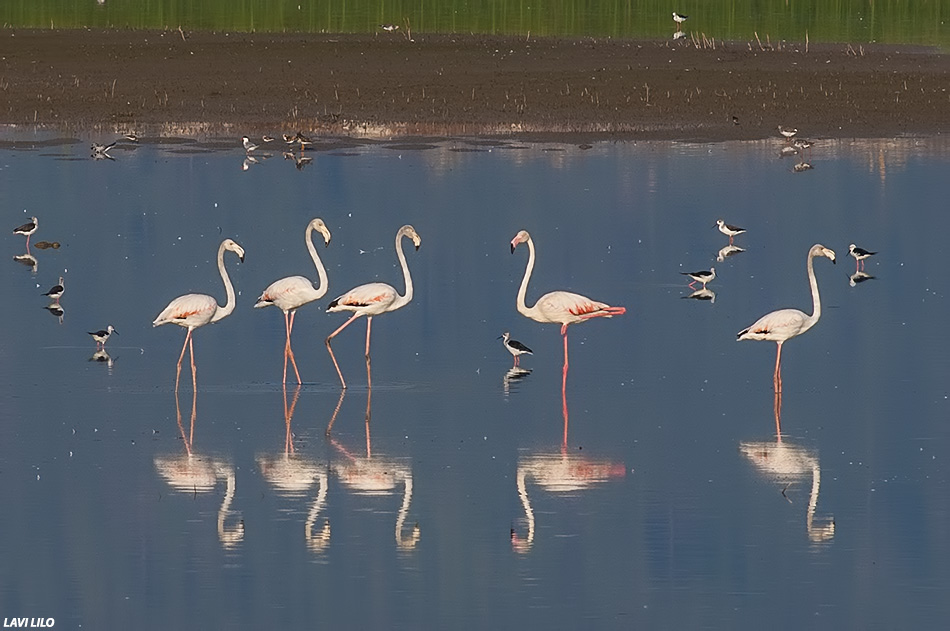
(329, 348)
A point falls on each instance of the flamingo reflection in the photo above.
(788, 464)
(375, 475)
(559, 471)
(292, 475)
(194, 473)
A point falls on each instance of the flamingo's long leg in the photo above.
(181, 357)
(290, 350)
(194, 369)
(777, 376)
(369, 376)
(329, 348)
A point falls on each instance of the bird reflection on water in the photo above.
(375, 475)
(788, 464)
(859, 277)
(292, 475)
(193, 473)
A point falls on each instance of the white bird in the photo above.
(729, 230)
(248, 145)
(787, 132)
(195, 310)
(679, 19)
(703, 277)
(290, 293)
(374, 299)
(859, 255)
(560, 307)
(779, 326)
(56, 291)
(514, 347)
(101, 337)
(27, 229)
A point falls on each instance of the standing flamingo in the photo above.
(559, 307)
(779, 326)
(194, 310)
(373, 299)
(293, 292)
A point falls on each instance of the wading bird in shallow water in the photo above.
(27, 229)
(373, 299)
(787, 132)
(859, 255)
(560, 307)
(514, 347)
(248, 145)
(56, 291)
(704, 276)
(101, 337)
(729, 230)
(784, 324)
(290, 293)
(195, 310)
(679, 19)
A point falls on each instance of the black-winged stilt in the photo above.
(729, 230)
(787, 132)
(514, 347)
(27, 229)
(859, 255)
(704, 276)
(56, 291)
(101, 337)
(679, 19)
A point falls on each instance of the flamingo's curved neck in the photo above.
(321, 288)
(523, 290)
(402, 301)
(222, 312)
(815, 298)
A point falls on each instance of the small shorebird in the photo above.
(102, 149)
(701, 277)
(389, 27)
(289, 139)
(859, 255)
(514, 347)
(802, 145)
(101, 337)
(131, 137)
(679, 19)
(788, 132)
(56, 291)
(27, 229)
(729, 230)
(303, 140)
(248, 145)
(267, 138)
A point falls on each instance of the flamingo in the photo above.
(194, 310)
(779, 326)
(290, 293)
(373, 299)
(27, 229)
(559, 307)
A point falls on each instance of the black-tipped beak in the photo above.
(241, 258)
(512, 248)
(499, 337)
(417, 248)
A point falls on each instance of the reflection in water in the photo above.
(859, 277)
(787, 464)
(558, 471)
(292, 475)
(28, 260)
(375, 475)
(513, 375)
(103, 356)
(726, 252)
(193, 473)
(802, 167)
(702, 294)
(56, 310)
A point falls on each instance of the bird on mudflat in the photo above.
(704, 276)
(729, 230)
(27, 229)
(859, 255)
(56, 291)
(784, 324)
(514, 347)
(248, 145)
(101, 337)
(679, 18)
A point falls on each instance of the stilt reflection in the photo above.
(788, 464)
(859, 277)
(102, 356)
(292, 475)
(560, 471)
(375, 475)
(193, 473)
(512, 376)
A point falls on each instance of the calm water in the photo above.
(469, 501)
(894, 22)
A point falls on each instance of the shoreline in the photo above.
(375, 87)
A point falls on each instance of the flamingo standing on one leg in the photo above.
(559, 307)
(293, 292)
(779, 326)
(373, 299)
(194, 310)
